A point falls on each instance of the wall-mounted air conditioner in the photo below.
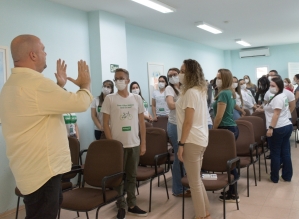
(246, 53)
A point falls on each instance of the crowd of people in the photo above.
(192, 105)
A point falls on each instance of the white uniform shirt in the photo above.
(161, 104)
(169, 91)
(124, 121)
(279, 102)
(248, 100)
(238, 100)
(95, 104)
(199, 133)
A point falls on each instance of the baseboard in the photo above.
(12, 211)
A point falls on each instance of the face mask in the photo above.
(243, 86)
(182, 78)
(161, 85)
(294, 82)
(273, 90)
(120, 85)
(234, 85)
(270, 78)
(218, 82)
(106, 90)
(285, 84)
(246, 81)
(136, 91)
(174, 80)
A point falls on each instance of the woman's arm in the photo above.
(77, 131)
(240, 110)
(296, 96)
(220, 112)
(170, 102)
(106, 118)
(95, 119)
(273, 121)
(154, 109)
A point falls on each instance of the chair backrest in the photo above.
(246, 137)
(148, 125)
(156, 143)
(261, 115)
(74, 145)
(259, 129)
(220, 149)
(294, 117)
(161, 122)
(247, 112)
(104, 157)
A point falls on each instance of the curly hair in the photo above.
(194, 76)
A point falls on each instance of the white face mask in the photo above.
(273, 90)
(182, 78)
(174, 80)
(234, 85)
(120, 85)
(285, 84)
(106, 90)
(243, 86)
(270, 78)
(218, 82)
(294, 82)
(161, 85)
(136, 91)
(246, 81)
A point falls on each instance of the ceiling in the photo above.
(259, 22)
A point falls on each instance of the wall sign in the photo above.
(113, 67)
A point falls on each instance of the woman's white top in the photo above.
(248, 100)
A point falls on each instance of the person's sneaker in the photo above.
(121, 214)
(137, 211)
(229, 198)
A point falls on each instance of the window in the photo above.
(260, 71)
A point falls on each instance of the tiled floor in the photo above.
(267, 200)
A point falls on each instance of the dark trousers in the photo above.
(97, 134)
(44, 202)
(235, 130)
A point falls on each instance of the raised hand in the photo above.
(83, 79)
(61, 73)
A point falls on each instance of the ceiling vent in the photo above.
(255, 52)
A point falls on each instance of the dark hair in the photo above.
(170, 84)
(165, 79)
(214, 86)
(131, 85)
(263, 85)
(280, 86)
(238, 90)
(276, 73)
(101, 97)
(297, 76)
(124, 71)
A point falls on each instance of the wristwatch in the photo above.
(181, 144)
(270, 127)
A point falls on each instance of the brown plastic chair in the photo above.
(259, 131)
(148, 124)
(247, 112)
(246, 148)
(221, 157)
(103, 169)
(156, 155)
(295, 121)
(161, 122)
(261, 115)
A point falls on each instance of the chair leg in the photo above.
(259, 167)
(17, 211)
(248, 181)
(158, 181)
(97, 214)
(150, 198)
(87, 215)
(224, 212)
(236, 191)
(78, 214)
(183, 207)
(59, 210)
(265, 163)
(254, 174)
(137, 188)
(166, 186)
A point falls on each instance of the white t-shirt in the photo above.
(95, 104)
(169, 91)
(199, 133)
(248, 100)
(210, 122)
(238, 100)
(161, 104)
(70, 120)
(145, 105)
(124, 122)
(268, 96)
(279, 102)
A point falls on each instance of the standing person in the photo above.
(96, 106)
(296, 81)
(279, 132)
(223, 106)
(135, 89)
(248, 99)
(125, 111)
(33, 128)
(193, 133)
(263, 87)
(72, 129)
(159, 105)
(250, 86)
(238, 111)
(288, 85)
(172, 94)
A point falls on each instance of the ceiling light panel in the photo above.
(208, 27)
(156, 5)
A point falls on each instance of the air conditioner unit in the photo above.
(264, 51)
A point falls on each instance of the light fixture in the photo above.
(156, 5)
(242, 42)
(208, 27)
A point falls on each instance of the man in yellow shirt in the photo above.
(31, 108)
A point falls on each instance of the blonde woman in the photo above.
(193, 132)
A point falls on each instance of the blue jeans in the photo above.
(281, 153)
(236, 114)
(235, 130)
(210, 127)
(177, 187)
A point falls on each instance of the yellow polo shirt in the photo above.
(31, 108)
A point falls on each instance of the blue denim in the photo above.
(210, 127)
(177, 187)
(236, 114)
(235, 130)
(281, 153)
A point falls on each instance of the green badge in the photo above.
(145, 104)
(99, 109)
(126, 128)
(67, 118)
(161, 109)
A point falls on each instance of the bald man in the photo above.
(31, 108)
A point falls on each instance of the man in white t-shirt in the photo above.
(125, 111)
